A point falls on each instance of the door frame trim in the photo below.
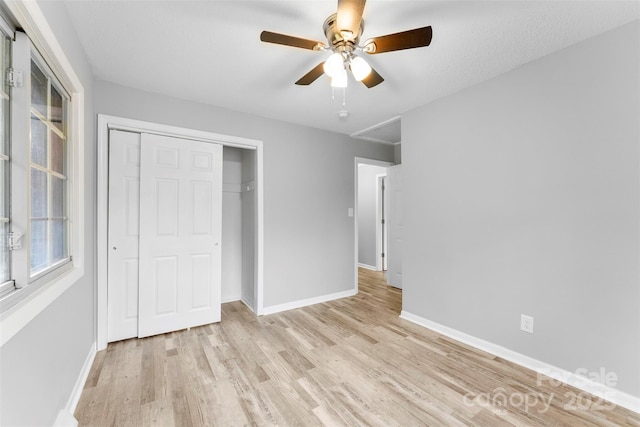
(381, 213)
(107, 123)
(356, 161)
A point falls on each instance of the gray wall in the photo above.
(231, 224)
(238, 218)
(367, 207)
(522, 196)
(308, 187)
(39, 366)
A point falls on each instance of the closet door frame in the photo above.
(107, 123)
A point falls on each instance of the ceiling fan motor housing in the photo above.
(338, 40)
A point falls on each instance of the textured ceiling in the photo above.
(210, 52)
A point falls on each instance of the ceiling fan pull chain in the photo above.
(344, 97)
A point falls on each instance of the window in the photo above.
(48, 208)
(42, 130)
(41, 103)
(38, 199)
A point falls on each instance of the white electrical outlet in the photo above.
(526, 323)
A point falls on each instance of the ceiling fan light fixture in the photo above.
(360, 68)
(334, 65)
(340, 79)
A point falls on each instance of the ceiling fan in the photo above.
(343, 30)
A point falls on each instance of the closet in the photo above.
(164, 240)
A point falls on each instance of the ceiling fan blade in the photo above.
(410, 39)
(283, 39)
(373, 79)
(312, 75)
(350, 17)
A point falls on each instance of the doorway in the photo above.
(370, 215)
(370, 201)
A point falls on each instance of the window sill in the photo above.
(28, 308)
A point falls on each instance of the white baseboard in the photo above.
(65, 419)
(305, 302)
(595, 388)
(231, 299)
(250, 306)
(65, 416)
(367, 266)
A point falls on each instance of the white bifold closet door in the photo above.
(179, 253)
(180, 233)
(124, 234)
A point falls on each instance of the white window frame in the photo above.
(23, 305)
(44, 275)
(8, 286)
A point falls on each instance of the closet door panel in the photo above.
(180, 231)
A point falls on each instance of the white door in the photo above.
(124, 214)
(394, 231)
(180, 231)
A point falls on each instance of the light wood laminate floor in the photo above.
(346, 362)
